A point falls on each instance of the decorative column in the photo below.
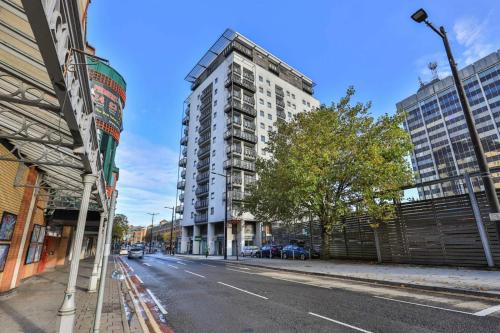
(97, 258)
(66, 314)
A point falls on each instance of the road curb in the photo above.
(380, 282)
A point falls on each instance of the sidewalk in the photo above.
(34, 307)
(471, 281)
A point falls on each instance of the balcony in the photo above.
(280, 102)
(179, 209)
(185, 120)
(183, 162)
(204, 126)
(181, 184)
(203, 177)
(236, 180)
(239, 164)
(203, 152)
(204, 139)
(203, 164)
(183, 173)
(237, 195)
(307, 89)
(184, 140)
(205, 113)
(279, 92)
(249, 180)
(243, 108)
(241, 82)
(202, 190)
(281, 114)
(201, 218)
(248, 137)
(181, 197)
(201, 204)
(247, 151)
(184, 151)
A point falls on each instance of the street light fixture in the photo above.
(171, 229)
(151, 238)
(225, 213)
(489, 187)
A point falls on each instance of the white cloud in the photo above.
(471, 34)
(148, 176)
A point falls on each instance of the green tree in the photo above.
(327, 163)
(120, 227)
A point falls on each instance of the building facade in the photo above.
(436, 123)
(239, 93)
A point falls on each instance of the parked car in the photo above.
(249, 251)
(136, 252)
(267, 251)
(296, 252)
(123, 250)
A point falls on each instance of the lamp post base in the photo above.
(66, 314)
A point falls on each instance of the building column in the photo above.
(211, 238)
(66, 313)
(258, 234)
(241, 236)
(196, 244)
(97, 258)
(230, 238)
(184, 240)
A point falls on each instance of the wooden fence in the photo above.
(440, 231)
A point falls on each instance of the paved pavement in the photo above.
(34, 308)
(466, 279)
(201, 295)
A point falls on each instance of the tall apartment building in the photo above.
(239, 92)
(436, 123)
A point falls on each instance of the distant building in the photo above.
(136, 234)
(436, 123)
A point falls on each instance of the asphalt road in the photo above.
(213, 296)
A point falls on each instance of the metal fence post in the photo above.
(479, 222)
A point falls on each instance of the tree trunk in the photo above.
(325, 243)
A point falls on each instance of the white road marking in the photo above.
(488, 311)
(195, 274)
(158, 304)
(339, 322)
(208, 265)
(237, 270)
(245, 291)
(425, 305)
(145, 263)
(138, 278)
(173, 266)
(301, 282)
(181, 263)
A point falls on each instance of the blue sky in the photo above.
(372, 45)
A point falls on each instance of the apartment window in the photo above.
(268, 82)
(269, 116)
(288, 103)
(268, 93)
(212, 195)
(293, 96)
(261, 101)
(196, 139)
(261, 90)
(308, 104)
(198, 96)
(216, 80)
(213, 166)
(213, 139)
(194, 175)
(294, 106)
(196, 128)
(262, 125)
(215, 102)
(211, 210)
(304, 102)
(270, 128)
(215, 92)
(289, 115)
(262, 138)
(213, 180)
(261, 113)
(261, 79)
(192, 214)
(198, 107)
(197, 117)
(288, 93)
(192, 190)
(194, 163)
(269, 105)
(213, 152)
(215, 126)
(192, 200)
(195, 150)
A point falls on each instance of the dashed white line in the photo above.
(208, 265)
(138, 278)
(181, 263)
(145, 263)
(195, 274)
(488, 311)
(237, 270)
(245, 291)
(424, 305)
(173, 266)
(158, 304)
(339, 322)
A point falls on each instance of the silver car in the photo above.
(136, 252)
(249, 251)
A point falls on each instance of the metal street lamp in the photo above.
(171, 229)
(151, 238)
(489, 187)
(225, 214)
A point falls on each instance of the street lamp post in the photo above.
(489, 187)
(171, 229)
(225, 213)
(151, 237)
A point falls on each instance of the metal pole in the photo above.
(237, 254)
(66, 313)
(97, 258)
(105, 258)
(310, 237)
(479, 222)
(172, 233)
(106, 224)
(489, 186)
(151, 236)
(225, 221)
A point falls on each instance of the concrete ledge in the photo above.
(8, 294)
(379, 282)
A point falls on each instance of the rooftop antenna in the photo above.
(433, 68)
(421, 82)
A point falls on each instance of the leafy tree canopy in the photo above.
(120, 226)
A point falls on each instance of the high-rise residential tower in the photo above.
(239, 92)
(436, 123)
